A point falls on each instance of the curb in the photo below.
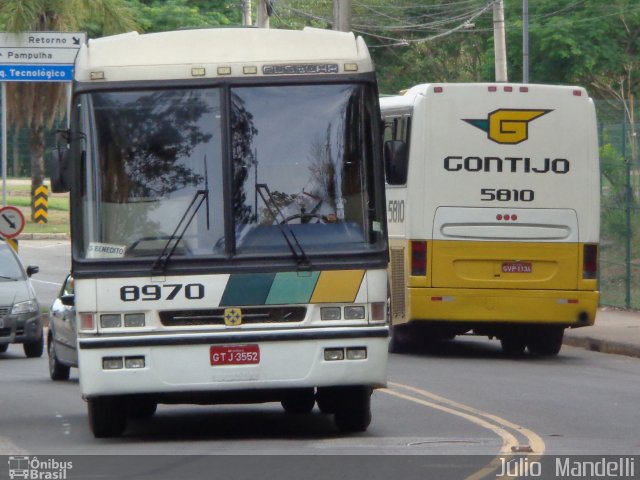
(44, 236)
(603, 346)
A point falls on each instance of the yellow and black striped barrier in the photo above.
(13, 242)
(41, 205)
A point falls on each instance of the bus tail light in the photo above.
(418, 259)
(590, 261)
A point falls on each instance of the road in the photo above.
(459, 398)
(463, 398)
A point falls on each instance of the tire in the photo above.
(4, 347)
(513, 345)
(141, 408)
(398, 342)
(353, 408)
(546, 341)
(300, 402)
(57, 371)
(34, 349)
(107, 416)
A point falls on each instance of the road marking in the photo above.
(57, 284)
(494, 423)
(507, 438)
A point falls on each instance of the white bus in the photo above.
(228, 223)
(493, 204)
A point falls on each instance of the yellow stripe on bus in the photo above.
(337, 286)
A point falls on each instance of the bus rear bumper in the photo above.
(185, 366)
(562, 307)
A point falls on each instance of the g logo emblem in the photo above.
(507, 126)
(232, 317)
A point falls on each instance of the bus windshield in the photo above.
(268, 162)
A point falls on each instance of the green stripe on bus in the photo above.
(292, 287)
(247, 289)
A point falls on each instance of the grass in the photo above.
(19, 195)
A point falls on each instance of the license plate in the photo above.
(234, 354)
(517, 267)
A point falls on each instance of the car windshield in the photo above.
(298, 162)
(9, 267)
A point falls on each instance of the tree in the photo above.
(163, 15)
(410, 42)
(591, 43)
(37, 105)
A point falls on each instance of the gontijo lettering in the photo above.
(455, 163)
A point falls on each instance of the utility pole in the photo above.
(525, 41)
(342, 15)
(262, 14)
(499, 41)
(246, 13)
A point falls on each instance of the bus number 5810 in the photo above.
(506, 195)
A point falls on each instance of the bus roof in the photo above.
(408, 97)
(221, 52)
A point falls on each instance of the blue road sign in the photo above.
(36, 73)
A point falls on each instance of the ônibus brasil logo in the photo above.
(506, 125)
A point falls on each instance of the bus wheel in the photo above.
(107, 416)
(353, 410)
(513, 345)
(546, 341)
(398, 341)
(299, 402)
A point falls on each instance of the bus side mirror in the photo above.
(60, 175)
(396, 162)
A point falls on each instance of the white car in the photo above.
(62, 336)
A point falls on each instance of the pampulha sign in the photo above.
(39, 56)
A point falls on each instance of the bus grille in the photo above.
(215, 316)
(397, 283)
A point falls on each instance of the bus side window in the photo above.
(396, 134)
(395, 162)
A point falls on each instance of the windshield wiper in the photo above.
(8, 278)
(297, 251)
(160, 264)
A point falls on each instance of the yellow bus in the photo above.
(229, 239)
(493, 206)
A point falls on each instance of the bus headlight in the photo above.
(354, 313)
(112, 363)
(134, 320)
(330, 313)
(332, 354)
(110, 320)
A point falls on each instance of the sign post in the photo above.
(34, 57)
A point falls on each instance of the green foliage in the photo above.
(614, 179)
(99, 17)
(161, 15)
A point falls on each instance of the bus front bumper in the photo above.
(288, 359)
